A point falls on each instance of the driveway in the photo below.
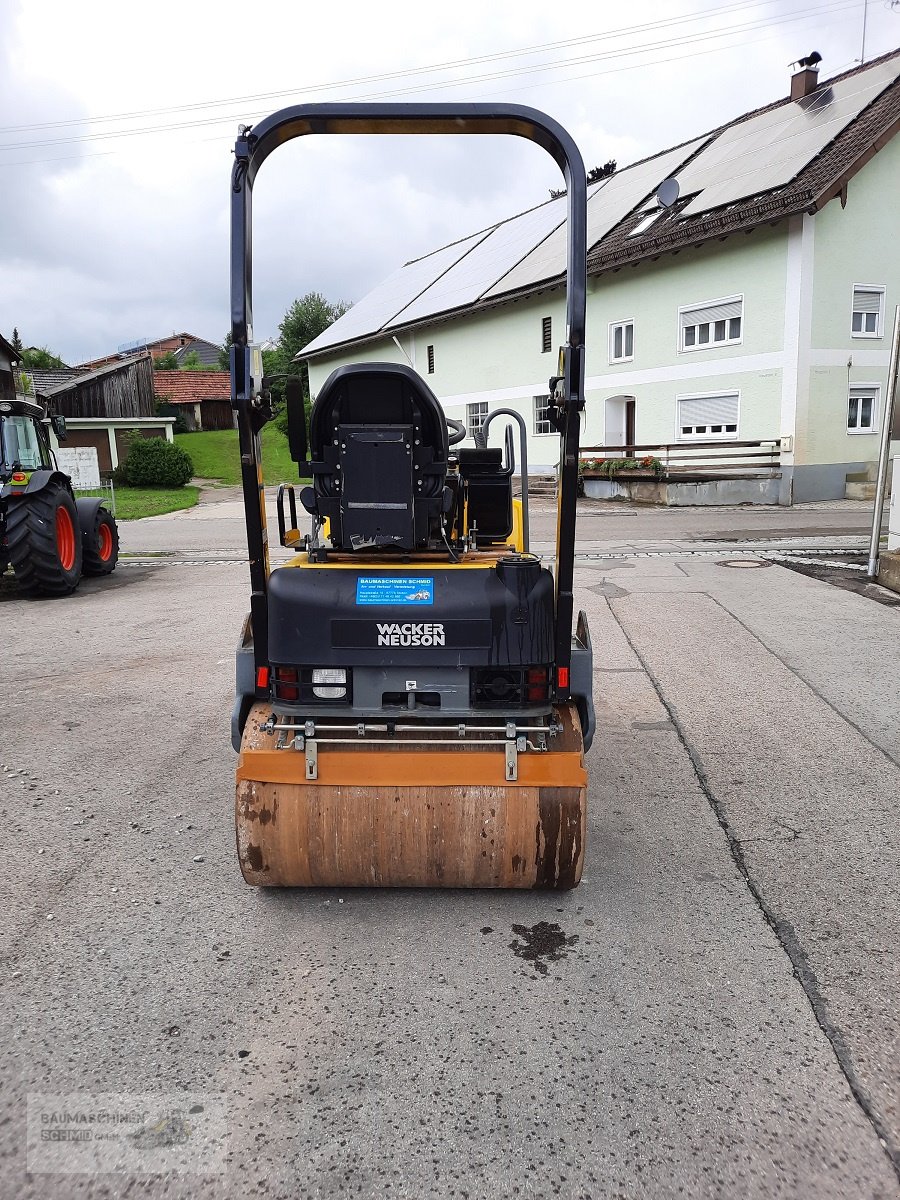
(711, 1013)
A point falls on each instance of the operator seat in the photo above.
(378, 448)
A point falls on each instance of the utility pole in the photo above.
(885, 454)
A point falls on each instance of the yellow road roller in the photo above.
(413, 705)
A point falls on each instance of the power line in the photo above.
(625, 31)
(509, 73)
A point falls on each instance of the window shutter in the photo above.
(431, 360)
(546, 335)
(709, 313)
(708, 410)
(866, 301)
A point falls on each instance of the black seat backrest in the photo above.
(378, 450)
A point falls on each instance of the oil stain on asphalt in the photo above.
(541, 944)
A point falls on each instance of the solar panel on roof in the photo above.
(471, 276)
(376, 309)
(771, 148)
(609, 203)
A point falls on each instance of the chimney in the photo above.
(806, 79)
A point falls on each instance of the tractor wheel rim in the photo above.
(105, 543)
(65, 538)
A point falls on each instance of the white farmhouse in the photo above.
(757, 306)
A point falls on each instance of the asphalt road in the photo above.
(217, 526)
(711, 1013)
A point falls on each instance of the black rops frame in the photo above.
(252, 148)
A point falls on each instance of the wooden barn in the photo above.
(103, 407)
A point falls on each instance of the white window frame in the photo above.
(471, 428)
(738, 297)
(879, 320)
(875, 389)
(613, 326)
(707, 437)
(541, 404)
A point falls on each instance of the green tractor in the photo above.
(48, 537)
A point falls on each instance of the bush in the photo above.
(154, 462)
(280, 420)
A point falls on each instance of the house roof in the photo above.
(51, 378)
(131, 349)
(55, 382)
(787, 157)
(9, 349)
(191, 387)
(207, 352)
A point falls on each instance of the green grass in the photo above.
(134, 503)
(215, 455)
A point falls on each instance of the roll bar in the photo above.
(252, 148)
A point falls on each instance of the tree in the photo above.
(16, 342)
(225, 353)
(304, 320)
(39, 358)
(166, 362)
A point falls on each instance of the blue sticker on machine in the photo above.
(395, 589)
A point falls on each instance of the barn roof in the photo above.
(191, 387)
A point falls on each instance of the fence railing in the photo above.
(698, 458)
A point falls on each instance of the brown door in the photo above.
(629, 428)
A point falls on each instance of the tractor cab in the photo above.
(24, 445)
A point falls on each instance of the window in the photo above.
(646, 222)
(867, 310)
(546, 335)
(21, 445)
(431, 360)
(476, 415)
(542, 422)
(715, 324)
(712, 417)
(621, 342)
(862, 409)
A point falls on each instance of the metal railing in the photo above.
(713, 458)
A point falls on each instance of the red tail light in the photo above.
(287, 684)
(537, 687)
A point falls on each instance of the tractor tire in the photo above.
(100, 545)
(44, 541)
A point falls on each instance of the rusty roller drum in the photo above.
(404, 817)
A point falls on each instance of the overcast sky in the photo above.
(119, 121)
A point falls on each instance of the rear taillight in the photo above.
(287, 684)
(537, 688)
(510, 687)
(312, 685)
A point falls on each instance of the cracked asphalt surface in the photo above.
(711, 1013)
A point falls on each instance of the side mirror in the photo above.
(298, 441)
(58, 422)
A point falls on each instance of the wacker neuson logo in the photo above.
(411, 634)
